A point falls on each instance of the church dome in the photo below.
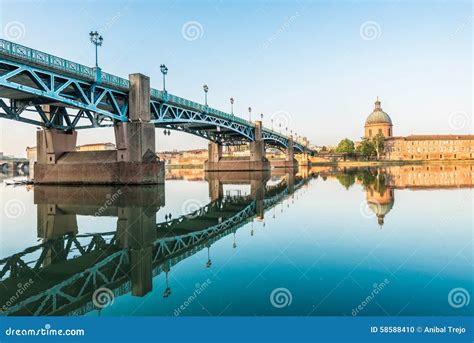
(378, 116)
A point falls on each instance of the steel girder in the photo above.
(28, 88)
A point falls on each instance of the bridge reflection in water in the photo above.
(67, 267)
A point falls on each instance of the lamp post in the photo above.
(164, 71)
(250, 114)
(272, 123)
(261, 116)
(232, 106)
(206, 89)
(97, 40)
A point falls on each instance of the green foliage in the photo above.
(346, 179)
(345, 146)
(378, 143)
(366, 148)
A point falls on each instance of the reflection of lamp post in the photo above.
(206, 89)
(97, 40)
(250, 114)
(209, 262)
(164, 71)
(232, 106)
(167, 291)
(235, 244)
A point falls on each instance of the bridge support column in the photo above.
(257, 192)
(256, 162)
(134, 161)
(303, 159)
(289, 162)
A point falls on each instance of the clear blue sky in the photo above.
(309, 61)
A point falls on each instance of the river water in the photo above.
(391, 241)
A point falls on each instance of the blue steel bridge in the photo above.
(82, 97)
(67, 270)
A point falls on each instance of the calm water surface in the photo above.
(383, 242)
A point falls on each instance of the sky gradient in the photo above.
(314, 66)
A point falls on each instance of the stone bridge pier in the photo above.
(134, 161)
(255, 162)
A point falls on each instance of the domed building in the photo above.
(378, 122)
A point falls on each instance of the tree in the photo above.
(366, 148)
(345, 146)
(378, 142)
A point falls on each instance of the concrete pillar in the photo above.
(257, 147)
(290, 182)
(257, 193)
(289, 150)
(52, 143)
(216, 189)
(215, 152)
(136, 230)
(135, 140)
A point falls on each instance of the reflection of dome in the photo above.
(380, 210)
(378, 116)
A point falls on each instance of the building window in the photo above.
(370, 132)
(389, 131)
(380, 131)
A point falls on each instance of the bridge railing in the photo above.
(43, 59)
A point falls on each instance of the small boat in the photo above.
(17, 182)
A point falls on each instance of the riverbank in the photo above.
(384, 163)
